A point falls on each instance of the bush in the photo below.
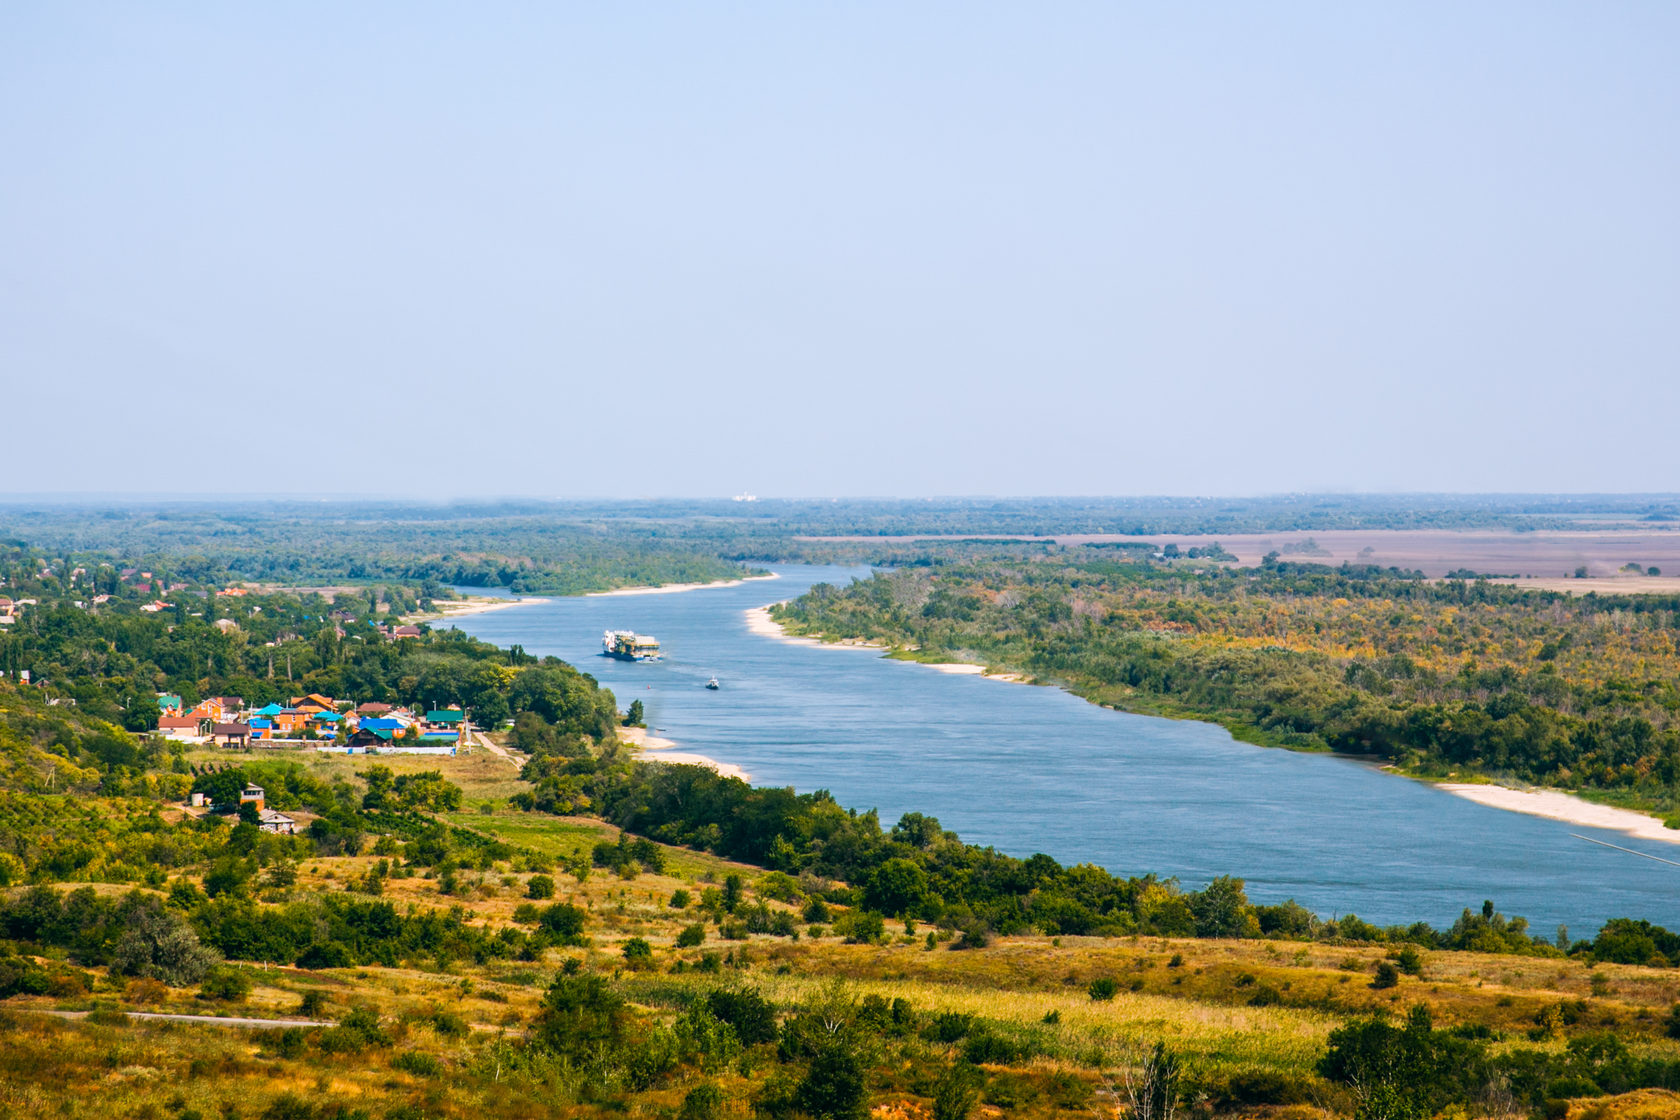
(228, 985)
(679, 901)
(703, 1102)
(638, 953)
(1387, 976)
(751, 1015)
(539, 886)
(1409, 961)
(984, 1048)
(417, 1063)
(564, 921)
(691, 936)
(1102, 989)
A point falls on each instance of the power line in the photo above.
(1629, 851)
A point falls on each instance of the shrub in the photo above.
(539, 886)
(1387, 976)
(638, 953)
(703, 1102)
(229, 985)
(955, 1093)
(948, 1026)
(1102, 989)
(751, 1015)
(679, 901)
(564, 921)
(691, 936)
(984, 1048)
(1409, 961)
(417, 1063)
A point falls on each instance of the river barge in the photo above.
(627, 645)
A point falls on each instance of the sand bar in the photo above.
(672, 588)
(655, 748)
(446, 609)
(1558, 806)
(759, 622)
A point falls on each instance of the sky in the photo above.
(633, 250)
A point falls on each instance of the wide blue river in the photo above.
(1029, 769)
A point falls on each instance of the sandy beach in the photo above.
(672, 588)
(759, 622)
(1565, 807)
(969, 669)
(444, 610)
(655, 748)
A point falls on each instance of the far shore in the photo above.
(672, 588)
(1559, 806)
(1553, 804)
(654, 748)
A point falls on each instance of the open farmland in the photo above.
(1435, 552)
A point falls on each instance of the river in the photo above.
(1033, 769)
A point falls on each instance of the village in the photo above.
(313, 722)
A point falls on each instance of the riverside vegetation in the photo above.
(1443, 678)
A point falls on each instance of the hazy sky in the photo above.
(814, 249)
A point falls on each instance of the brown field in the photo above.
(1547, 556)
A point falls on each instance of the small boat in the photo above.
(713, 684)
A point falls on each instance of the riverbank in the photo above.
(445, 609)
(759, 621)
(1559, 806)
(653, 748)
(673, 588)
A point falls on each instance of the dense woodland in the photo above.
(1449, 676)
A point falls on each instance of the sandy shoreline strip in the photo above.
(672, 588)
(1558, 806)
(654, 748)
(446, 609)
(759, 622)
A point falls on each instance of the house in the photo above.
(168, 703)
(290, 721)
(445, 719)
(260, 728)
(268, 711)
(270, 821)
(253, 795)
(225, 625)
(180, 727)
(399, 632)
(231, 703)
(315, 701)
(209, 708)
(372, 708)
(366, 738)
(231, 733)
